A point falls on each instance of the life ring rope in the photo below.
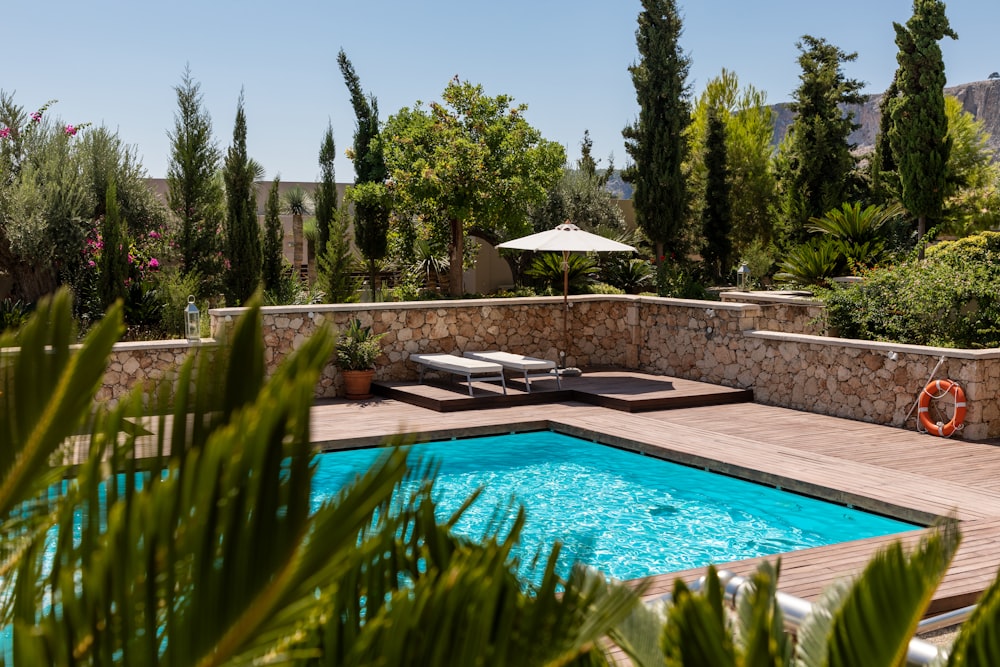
(934, 390)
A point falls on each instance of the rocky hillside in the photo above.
(980, 98)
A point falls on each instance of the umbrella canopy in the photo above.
(566, 238)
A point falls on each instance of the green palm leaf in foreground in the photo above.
(208, 553)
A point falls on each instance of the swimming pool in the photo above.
(626, 514)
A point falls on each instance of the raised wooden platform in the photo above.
(616, 389)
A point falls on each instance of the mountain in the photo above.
(980, 98)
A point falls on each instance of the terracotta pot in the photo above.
(358, 384)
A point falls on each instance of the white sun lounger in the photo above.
(520, 364)
(470, 369)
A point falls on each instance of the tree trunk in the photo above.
(297, 234)
(921, 230)
(29, 281)
(455, 257)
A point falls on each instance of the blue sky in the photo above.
(116, 62)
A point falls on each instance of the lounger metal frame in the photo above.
(470, 374)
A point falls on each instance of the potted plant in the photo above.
(357, 350)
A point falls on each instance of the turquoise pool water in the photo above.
(626, 514)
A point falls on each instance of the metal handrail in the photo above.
(794, 610)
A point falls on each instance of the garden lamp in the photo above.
(743, 277)
(192, 321)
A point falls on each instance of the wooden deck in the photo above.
(619, 390)
(900, 473)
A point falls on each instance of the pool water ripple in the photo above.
(626, 514)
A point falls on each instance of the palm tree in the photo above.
(208, 553)
(297, 202)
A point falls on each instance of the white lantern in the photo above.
(743, 277)
(192, 321)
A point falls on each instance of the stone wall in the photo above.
(729, 343)
(138, 364)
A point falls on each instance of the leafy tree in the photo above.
(243, 243)
(819, 166)
(919, 133)
(716, 216)
(749, 131)
(105, 158)
(371, 197)
(579, 198)
(45, 201)
(114, 258)
(195, 194)
(274, 240)
(655, 141)
(471, 161)
(325, 197)
(973, 191)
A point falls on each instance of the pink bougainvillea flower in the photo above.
(36, 117)
(4, 132)
(91, 264)
(154, 263)
(70, 130)
(154, 235)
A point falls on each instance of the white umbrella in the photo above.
(566, 238)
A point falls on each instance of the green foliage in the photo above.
(919, 130)
(114, 260)
(675, 279)
(335, 266)
(817, 164)
(629, 274)
(45, 202)
(173, 289)
(860, 233)
(471, 160)
(581, 199)
(274, 241)
(358, 347)
(195, 193)
(547, 271)
(748, 135)
(655, 141)
(716, 213)
(810, 264)
(13, 314)
(973, 197)
(243, 244)
(326, 191)
(947, 300)
(588, 165)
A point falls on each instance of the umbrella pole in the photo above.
(565, 268)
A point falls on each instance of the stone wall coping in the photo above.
(171, 344)
(950, 352)
(465, 303)
(793, 297)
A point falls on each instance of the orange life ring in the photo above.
(937, 389)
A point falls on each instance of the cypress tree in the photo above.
(371, 214)
(919, 134)
(274, 239)
(326, 191)
(335, 278)
(656, 140)
(884, 173)
(242, 231)
(716, 214)
(193, 192)
(114, 251)
(817, 152)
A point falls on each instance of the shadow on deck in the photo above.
(627, 391)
